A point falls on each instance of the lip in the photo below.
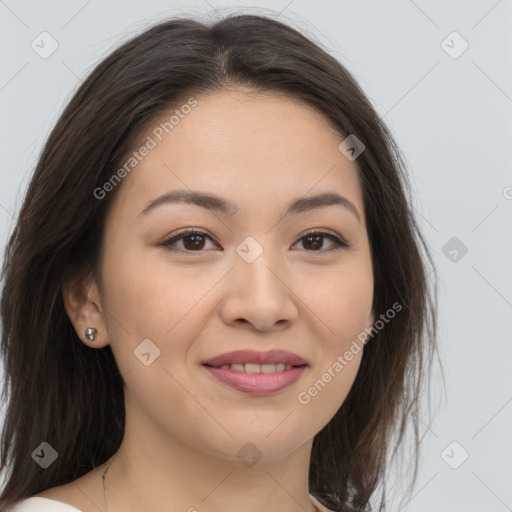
(256, 383)
(253, 356)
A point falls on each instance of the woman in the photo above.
(214, 297)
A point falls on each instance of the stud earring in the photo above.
(90, 334)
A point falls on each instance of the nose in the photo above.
(260, 295)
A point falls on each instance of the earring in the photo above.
(90, 334)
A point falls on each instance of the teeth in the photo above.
(252, 368)
(268, 368)
(257, 368)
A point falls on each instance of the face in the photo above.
(251, 278)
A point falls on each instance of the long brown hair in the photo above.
(60, 392)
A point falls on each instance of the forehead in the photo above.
(255, 148)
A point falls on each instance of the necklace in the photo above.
(104, 486)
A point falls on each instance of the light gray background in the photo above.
(452, 119)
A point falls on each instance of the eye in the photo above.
(314, 239)
(194, 241)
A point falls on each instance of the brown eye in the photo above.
(314, 241)
(193, 241)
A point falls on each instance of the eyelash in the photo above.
(339, 243)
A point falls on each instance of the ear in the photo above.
(82, 303)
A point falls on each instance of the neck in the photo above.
(155, 476)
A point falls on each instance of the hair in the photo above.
(59, 391)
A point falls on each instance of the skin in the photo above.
(183, 427)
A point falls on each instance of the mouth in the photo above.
(243, 357)
(256, 383)
(257, 373)
(256, 368)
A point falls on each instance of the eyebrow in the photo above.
(215, 203)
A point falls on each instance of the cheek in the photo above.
(341, 301)
(149, 295)
(342, 306)
(150, 299)
(325, 392)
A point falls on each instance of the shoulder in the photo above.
(40, 504)
(80, 495)
(318, 505)
(77, 496)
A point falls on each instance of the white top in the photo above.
(38, 504)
